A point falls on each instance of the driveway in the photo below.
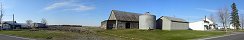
(6, 37)
(233, 36)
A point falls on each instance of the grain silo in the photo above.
(147, 21)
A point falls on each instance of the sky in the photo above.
(92, 12)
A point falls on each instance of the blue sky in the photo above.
(92, 12)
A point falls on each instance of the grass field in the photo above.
(160, 34)
(56, 35)
(126, 34)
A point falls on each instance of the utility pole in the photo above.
(13, 17)
(13, 22)
(1, 16)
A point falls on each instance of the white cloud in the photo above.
(208, 10)
(56, 5)
(69, 5)
(83, 8)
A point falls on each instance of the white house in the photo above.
(220, 27)
(232, 26)
(204, 24)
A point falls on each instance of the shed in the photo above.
(171, 23)
(231, 26)
(204, 24)
(121, 20)
(39, 25)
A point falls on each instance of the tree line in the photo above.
(228, 18)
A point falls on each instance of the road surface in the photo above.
(6, 37)
(238, 36)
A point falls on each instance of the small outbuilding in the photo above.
(204, 24)
(231, 26)
(121, 20)
(24, 25)
(39, 25)
(171, 23)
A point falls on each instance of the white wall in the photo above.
(166, 24)
(231, 26)
(197, 25)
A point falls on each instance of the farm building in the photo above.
(39, 25)
(171, 23)
(23, 25)
(231, 26)
(9, 25)
(121, 20)
(204, 24)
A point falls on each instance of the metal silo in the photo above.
(147, 21)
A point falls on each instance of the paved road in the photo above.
(5, 37)
(239, 36)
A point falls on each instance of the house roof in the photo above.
(39, 23)
(126, 16)
(174, 19)
(10, 22)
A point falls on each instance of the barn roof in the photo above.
(174, 19)
(126, 16)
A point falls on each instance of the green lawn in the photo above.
(126, 34)
(42, 34)
(160, 34)
(55, 35)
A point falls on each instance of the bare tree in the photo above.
(29, 23)
(224, 17)
(44, 21)
(1, 16)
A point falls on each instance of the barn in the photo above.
(171, 23)
(121, 20)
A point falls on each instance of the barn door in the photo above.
(127, 25)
